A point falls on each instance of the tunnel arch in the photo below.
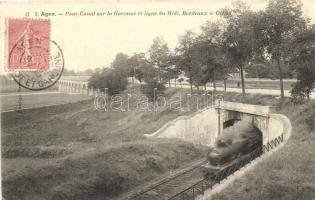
(230, 117)
(230, 122)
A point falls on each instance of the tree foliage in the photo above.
(279, 24)
(139, 65)
(211, 54)
(159, 55)
(153, 89)
(187, 56)
(110, 78)
(121, 63)
(276, 42)
(239, 37)
(303, 61)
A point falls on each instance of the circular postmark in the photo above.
(40, 77)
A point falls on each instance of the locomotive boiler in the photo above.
(234, 143)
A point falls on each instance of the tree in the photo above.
(159, 55)
(279, 23)
(239, 37)
(201, 71)
(211, 55)
(153, 89)
(172, 71)
(186, 53)
(303, 61)
(121, 63)
(97, 70)
(138, 64)
(150, 74)
(110, 78)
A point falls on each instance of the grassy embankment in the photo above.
(77, 152)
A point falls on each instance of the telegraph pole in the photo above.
(219, 117)
(220, 101)
(19, 96)
(154, 104)
(20, 100)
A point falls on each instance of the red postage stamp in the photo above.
(28, 44)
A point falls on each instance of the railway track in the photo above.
(189, 183)
(168, 185)
(172, 187)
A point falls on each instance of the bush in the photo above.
(148, 89)
(300, 92)
(112, 79)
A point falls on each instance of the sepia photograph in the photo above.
(157, 100)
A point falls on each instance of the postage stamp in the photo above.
(28, 42)
(35, 61)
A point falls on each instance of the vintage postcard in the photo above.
(157, 100)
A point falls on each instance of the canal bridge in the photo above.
(204, 126)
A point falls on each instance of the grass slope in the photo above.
(100, 174)
(77, 152)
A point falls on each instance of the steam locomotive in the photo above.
(235, 143)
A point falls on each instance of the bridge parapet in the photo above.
(203, 127)
(245, 108)
(260, 116)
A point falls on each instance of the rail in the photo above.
(168, 179)
(207, 183)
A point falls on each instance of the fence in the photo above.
(207, 183)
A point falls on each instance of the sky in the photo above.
(93, 41)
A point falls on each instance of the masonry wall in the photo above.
(276, 126)
(199, 128)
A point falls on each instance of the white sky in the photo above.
(90, 42)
